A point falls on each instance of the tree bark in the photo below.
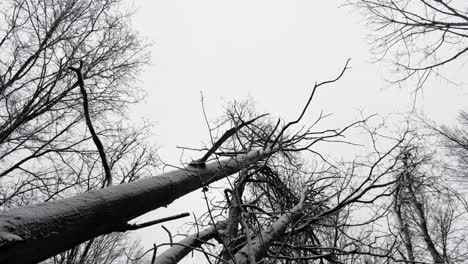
(34, 233)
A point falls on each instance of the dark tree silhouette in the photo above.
(46, 150)
(48, 125)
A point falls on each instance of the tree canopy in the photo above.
(76, 170)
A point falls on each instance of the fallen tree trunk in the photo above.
(257, 249)
(178, 251)
(34, 233)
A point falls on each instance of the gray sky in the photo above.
(273, 51)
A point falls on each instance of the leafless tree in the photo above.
(426, 218)
(27, 235)
(56, 120)
(417, 37)
(288, 209)
(46, 147)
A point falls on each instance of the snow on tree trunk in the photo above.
(34, 233)
(178, 251)
(257, 249)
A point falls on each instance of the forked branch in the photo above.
(229, 133)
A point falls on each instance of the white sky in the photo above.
(273, 51)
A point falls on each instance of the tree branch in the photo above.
(94, 136)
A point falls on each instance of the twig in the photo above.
(169, 234)
(308, 103)
(155, 248)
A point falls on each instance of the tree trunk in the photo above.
(234, 216)
(178, 251)
(257, 249)
(436, 257)
(404, 230)
(34, 233)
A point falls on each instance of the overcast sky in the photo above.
(272, 51)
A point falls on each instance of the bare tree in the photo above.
(290, 209)
(36, 232)
(411, 194)
(417, 37)
(46, 148)
(426, 218)
(49, 147)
